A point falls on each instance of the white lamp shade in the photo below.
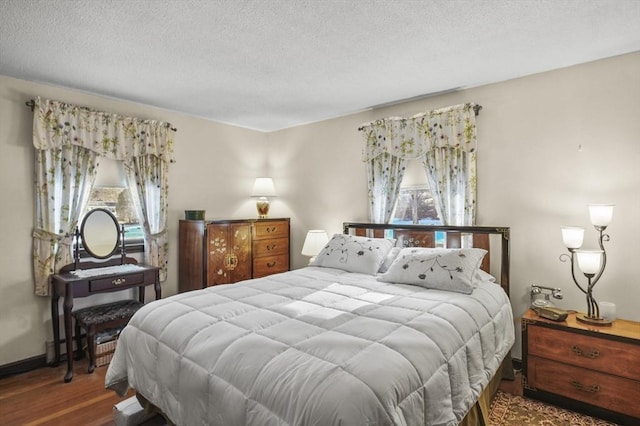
(263, 187)
(572, 236)
(601, 214)
(589, 261)
(314, 242)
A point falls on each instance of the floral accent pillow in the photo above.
(441, 269)
(354, 254)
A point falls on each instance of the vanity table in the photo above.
(107, 279)
(82, 279)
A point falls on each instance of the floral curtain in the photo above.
(445, 141)
(64, 177)
(451, 166)
(384, 174)
(147, 178)
(68, 140)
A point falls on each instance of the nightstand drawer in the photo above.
(271, 247)
(602, 390)
(264, 266)
(605, 355)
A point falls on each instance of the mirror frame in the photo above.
(116, 224)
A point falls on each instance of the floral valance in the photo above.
(57, 124)
(411, 138)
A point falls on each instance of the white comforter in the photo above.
(315, 346)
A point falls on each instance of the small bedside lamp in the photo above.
(314, 243)
(263, 188)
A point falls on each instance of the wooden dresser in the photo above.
(228, 251)
(594, 370)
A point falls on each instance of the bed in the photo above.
(380, 330)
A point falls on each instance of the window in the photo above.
(415, 203)
(110, 192)
(415, 206)
(118, 201)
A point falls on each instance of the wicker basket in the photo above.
(104, 352)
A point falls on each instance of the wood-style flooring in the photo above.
(40, 397)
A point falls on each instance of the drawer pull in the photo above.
(271, 264)
(272, 229)
(591, 389)
(119, 281)
(593, 354)
(271, 247)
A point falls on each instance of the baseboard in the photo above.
(33, 363)
(517, 364)
(23, 366)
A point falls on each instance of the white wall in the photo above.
(532, 176)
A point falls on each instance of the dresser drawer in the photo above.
(271, 247)
(264, 266)
(114, 282)
(271, 229)
(610, 392)
(605, 355)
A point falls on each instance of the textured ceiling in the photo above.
(268, 65)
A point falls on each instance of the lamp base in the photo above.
(603, 322)
(262, 205)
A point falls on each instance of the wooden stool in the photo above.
(98, 318)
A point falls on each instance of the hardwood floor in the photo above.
(40, 397)
(513, 387)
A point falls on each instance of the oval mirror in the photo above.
(100, 233)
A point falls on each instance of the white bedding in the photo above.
(315, 346)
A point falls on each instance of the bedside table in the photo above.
(594, 370)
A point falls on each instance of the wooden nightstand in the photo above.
(594, 370)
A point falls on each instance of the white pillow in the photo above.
(483, 276)
(441, 269)
(388, 259)
(354, 254)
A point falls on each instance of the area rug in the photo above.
(509, 410)
(512, 410)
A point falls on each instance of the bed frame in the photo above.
(450, 237)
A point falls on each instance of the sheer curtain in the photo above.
(444, 140)
(69, 141)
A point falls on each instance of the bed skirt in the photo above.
(479, 413)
